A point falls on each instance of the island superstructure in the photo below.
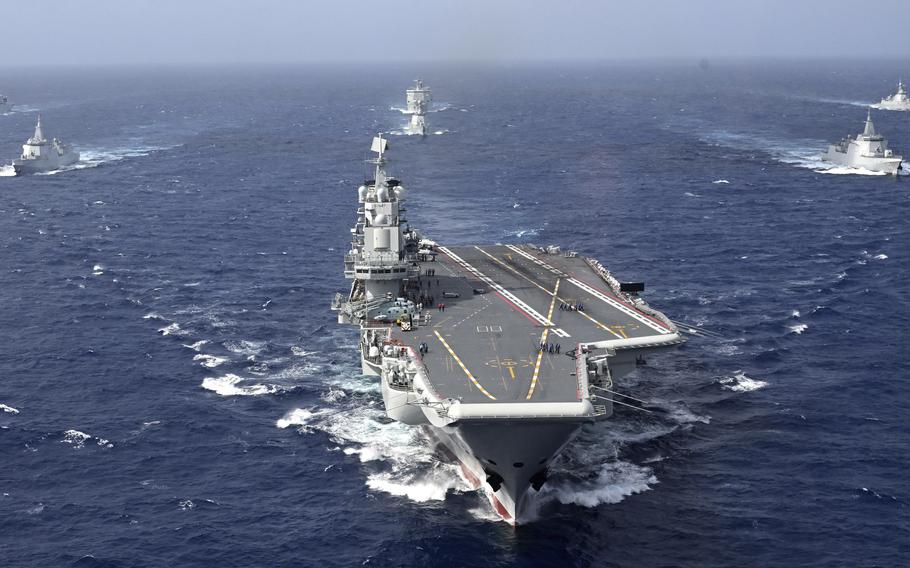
(898, 101)
(41, 155)
(868, 150)
(500, 352)
(419, 98)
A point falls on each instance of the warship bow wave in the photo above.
(41, 155)
(868, 150)
(500, 352)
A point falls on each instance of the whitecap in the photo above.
(209, 361)
(794, 314)
(230, 385)
(8, 409)
(720, 181)
(880, 257)
(196, 346)
(739, 382)
(78, 439)
(798, 328)
(170, 329)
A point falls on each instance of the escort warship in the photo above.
(419, 99)
(868, 150)
(4, 104)
(501, 353)
(41, 155)
(898, 101)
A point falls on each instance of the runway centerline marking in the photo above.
(543, 339)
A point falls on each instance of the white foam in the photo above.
(615, 481)
(170, 329)
(410, 466)
(690, 194)
(97, 270)
(209, 361)
(152, 316)
(8, 409)
(880, 257)
(843, 170)
(78, 439)
(196, 346)
(301, 352)
(7, 171)
(420, 488)
(798, 328)
(794, 314)
(245, 347)
(230, 385)
(739, 382)
(720, 181)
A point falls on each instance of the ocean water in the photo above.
(174, 390)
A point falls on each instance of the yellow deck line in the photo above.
(463, 368)
(504, 265)
(543, 339)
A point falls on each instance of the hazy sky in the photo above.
(225, 31)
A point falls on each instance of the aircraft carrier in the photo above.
(500, 352)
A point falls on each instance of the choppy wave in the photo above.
(614, 482)
(797, 328)
(79, 439)
(409, 466)
(235, 385)
(209, 361)
(739, 382)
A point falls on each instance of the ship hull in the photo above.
(851, 160)
(506, 459)
(44, 165)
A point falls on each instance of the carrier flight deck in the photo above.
(512, 300)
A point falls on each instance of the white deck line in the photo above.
(619, 306)
(596, 293)
(537, 316)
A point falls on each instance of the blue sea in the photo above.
(176, 392)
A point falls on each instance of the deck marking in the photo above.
(543, 339)
(621, 306)
(463, 368)
(558, 331)
(512, 298)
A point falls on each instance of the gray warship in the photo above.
(501, 353)
(41, 155)
(4, 104)
(898, 101)
(868, 150)
(419, 99)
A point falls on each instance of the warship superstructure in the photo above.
(500, 352)
(419, 98)
(898, 101)
(868, 150)
(42, 155)
(4, 104)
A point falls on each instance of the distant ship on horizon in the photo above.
(898, 101)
